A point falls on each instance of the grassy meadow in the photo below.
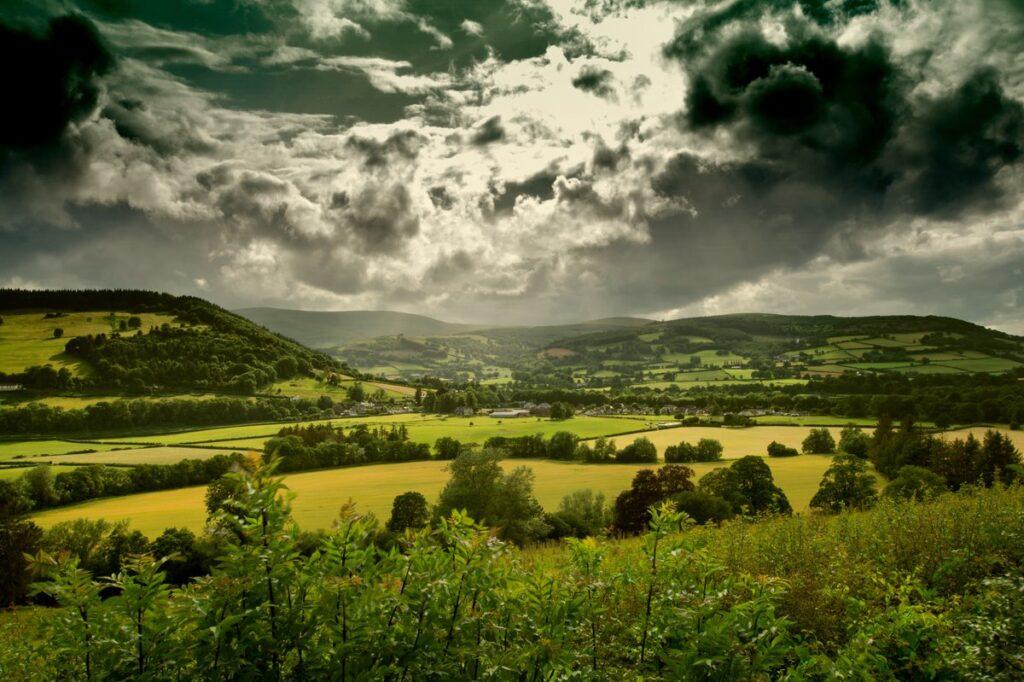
(17, 450)
(160, 454)
(737, 442)
(26, 339)
(320, 494)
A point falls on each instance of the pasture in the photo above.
(311, 389)
(26, 339)
(737, 442)
(320, 494)
(422, 429)
(17, 450)
(161, 454)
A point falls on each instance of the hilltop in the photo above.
(141, 341)
(332, 329)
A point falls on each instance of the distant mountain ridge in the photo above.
(335, 329)
(330, 329)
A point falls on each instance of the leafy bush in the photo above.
(819, 442)
(907, 590)
(641, 450)
(706, 450)
(779, 450)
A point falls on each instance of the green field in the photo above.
(249, 430)
(320, 494)
(737, 442)
(422, 429)
(310, 388)
(161, 454)
(70, 402)
(10, 450)
(26, 339)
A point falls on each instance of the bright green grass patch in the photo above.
(310, 388)
(984, 364)
(931, 369)
(478, 429)
(162, 454)
(725, 382)
(737, 442)
(13, 450)
(26, 339)
(877, 365)
(320, 494)
(251, 430)
(884, 343)
(850, 345)
(702, 375)
(818, 420)
(71, 402)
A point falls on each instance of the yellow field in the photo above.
(26, 339)
(737, 442)
(319, 494)
(1017, 437)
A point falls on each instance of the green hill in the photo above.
(331, 329)
(141, 341)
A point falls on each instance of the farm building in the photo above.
(509, 414)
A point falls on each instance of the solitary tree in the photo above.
(820, 442)
(853, 441)
(57, 332)
(847, 484)
(408, 510)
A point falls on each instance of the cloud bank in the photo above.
(522, 161)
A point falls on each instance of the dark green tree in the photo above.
(847, 484)
(408, 510)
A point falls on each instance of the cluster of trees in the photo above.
(564, 445)
(121, 415)
(706, 450)
(966, 461)
(745, 487)
(39, 487)
(320, 446)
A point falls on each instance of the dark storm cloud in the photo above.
(402, 145)
(489, 131)
(958, 143)
(441, 198)
(846, 116)
(50, 80)
(382, 218)
(595, 80)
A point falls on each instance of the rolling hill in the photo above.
(333, 329)
(141, 341)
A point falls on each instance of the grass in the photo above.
(26, 339)
(320, 494)
(983, 364)
(161, 454)
(15, 450)
(247, 431)
(70, 402)
(422, 429)
(816, 420)
(737, 442)
(308, 387)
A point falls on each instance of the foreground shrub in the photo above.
(907, 590)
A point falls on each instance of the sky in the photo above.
(521, 161)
